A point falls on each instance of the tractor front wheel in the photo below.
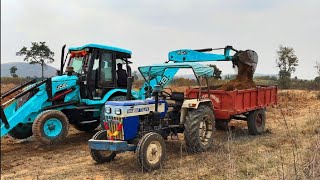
(50, 127)
(199, 127)
(21, 131)
(256, 121)
(102, 156)
(151, 151)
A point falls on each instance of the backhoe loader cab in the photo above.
(89, 76)
(96, 67)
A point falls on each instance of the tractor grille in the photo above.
(113, 126)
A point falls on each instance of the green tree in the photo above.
(13, 71)
(217, 72)
(39, 53)
(287, 62)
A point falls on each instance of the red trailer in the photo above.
(248, 104)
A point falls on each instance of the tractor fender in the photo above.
(116, 92)
(189, 104)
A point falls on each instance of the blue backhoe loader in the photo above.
(75, 96)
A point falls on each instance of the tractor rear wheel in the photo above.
(199, 127)
(102, 156)
(50, 127)
(256, 121)
(21, 131)
(151, 151)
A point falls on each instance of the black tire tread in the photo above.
(251, 122)
(95, 154)
(17, 134)
(140, 151)
(37, 126)
(191, 131)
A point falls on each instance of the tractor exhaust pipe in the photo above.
(62, 60)
(129, 87)
(156, 91)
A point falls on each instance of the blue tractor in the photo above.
(75, 96)
(143, 126)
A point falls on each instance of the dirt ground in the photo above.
(287, 150)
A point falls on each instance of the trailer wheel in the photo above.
(222, 125)
(50, 127)
(256, 121)
(102, 156)
(21, 131)
(151, 151)
(199, 127)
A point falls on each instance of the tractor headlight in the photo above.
(108, 110)
(117, 111)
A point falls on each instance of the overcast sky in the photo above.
(150, 29)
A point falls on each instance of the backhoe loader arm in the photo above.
(200, 55)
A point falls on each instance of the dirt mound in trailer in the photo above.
(244, 79)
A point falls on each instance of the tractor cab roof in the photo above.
(200, 70)
(100, 46)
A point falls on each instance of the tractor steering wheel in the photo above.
(165, 95)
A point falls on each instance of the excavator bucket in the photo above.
(248, 57)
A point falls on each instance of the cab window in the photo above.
(106, 68)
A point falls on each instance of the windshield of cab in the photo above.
(77, 58)
(76, 63)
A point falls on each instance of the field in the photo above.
(289, 149)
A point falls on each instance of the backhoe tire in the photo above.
(256, 121)
(50, 127)
(199, 128)
(86, 127)
(151, 151)
(102, 156)
(21, 131)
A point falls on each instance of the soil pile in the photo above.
(244, 79)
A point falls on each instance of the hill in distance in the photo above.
(26, 69)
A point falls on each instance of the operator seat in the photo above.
(178, 97)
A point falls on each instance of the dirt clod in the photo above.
(244, 79)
